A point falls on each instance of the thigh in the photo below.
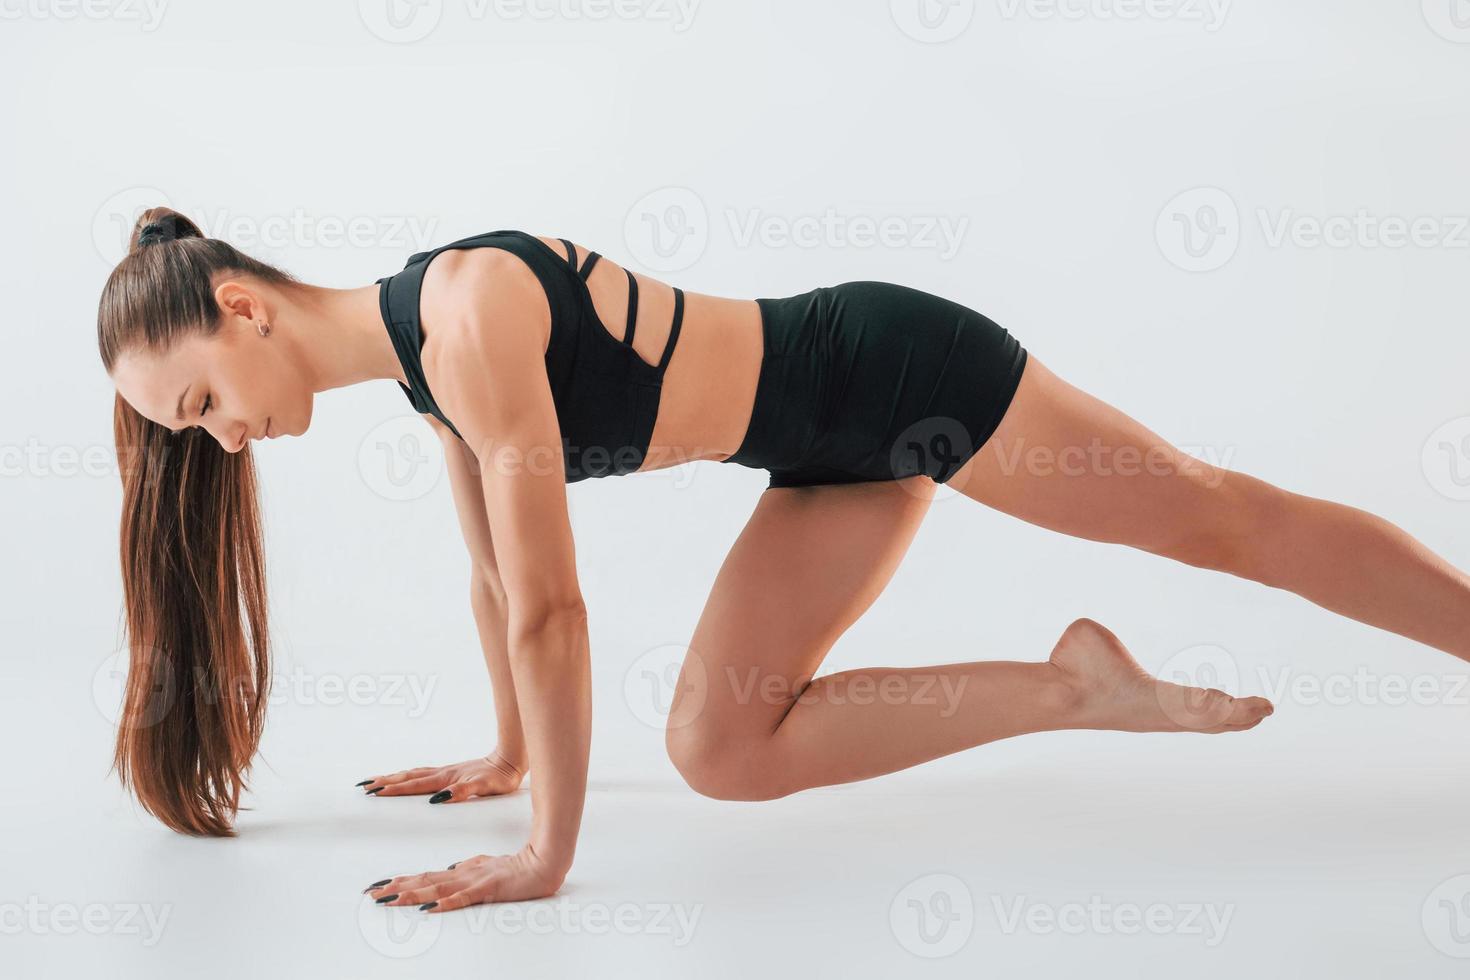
(806, 565)
(1068, 461)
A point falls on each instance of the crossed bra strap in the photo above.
(628, 331)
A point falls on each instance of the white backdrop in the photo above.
(1243, 223)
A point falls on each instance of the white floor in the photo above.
(1323, 844)
(1330, 841)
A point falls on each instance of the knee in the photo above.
(1237, 530)
(724, 768)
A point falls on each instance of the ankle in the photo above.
(1064, 695)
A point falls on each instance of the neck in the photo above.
(344, 340)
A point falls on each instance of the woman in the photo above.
(538, 365)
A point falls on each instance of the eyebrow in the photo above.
(180, 410)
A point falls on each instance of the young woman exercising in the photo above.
(539, 365)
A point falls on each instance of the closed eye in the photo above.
(208, 401)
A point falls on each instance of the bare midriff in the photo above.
(710, 382)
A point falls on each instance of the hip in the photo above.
(871, 380)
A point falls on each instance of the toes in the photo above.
(1245, 714)
(1249, 712)
(1208, 709)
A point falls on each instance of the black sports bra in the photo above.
(606, 395)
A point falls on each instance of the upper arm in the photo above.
(469, 504)
(489, 375)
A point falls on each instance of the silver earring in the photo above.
(263, 327)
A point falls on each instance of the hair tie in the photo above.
(165, 229)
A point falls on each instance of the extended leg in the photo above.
(748, 720)
(1070, 462)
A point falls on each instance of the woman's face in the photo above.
(236, 384)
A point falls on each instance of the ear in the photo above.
(237, 299)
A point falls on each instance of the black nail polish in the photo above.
(428, 905)
(365, 782)
(441, 796)
(453, 866)
(376, 884)
(386, 898)
(372, 792)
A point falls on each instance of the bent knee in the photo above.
(725, 768)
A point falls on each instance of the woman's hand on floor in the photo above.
(493, 775)
(516, 877)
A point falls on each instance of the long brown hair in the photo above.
(193, 565)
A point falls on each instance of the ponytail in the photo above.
(191, 553)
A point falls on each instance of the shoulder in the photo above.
(461, 283)
(487, 324)
(477, 299)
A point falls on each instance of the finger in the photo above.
(401, 883)
(473, 895)
(399, 777)
(455, 792)
(413, 787)
(426, 893)
(471, 862)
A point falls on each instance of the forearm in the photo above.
(549, 659)
(492, 622)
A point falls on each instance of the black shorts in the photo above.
(875, 381)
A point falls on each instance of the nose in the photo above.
(232, 436)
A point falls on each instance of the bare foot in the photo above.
(1115, 693)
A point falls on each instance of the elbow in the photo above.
(534, 617)
(485, 584)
